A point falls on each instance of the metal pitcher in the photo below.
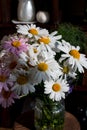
(26, 10)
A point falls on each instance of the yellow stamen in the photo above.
(42, 66)
(2, 78)
(75, 53)
(65, 69)
(16, 43)
(45, 40)
(35, 50)
(33, 31)
(6, 94)
(56, 87)
(22, 79)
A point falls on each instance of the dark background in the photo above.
(70, 11)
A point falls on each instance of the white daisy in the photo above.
(63, 44)
(35, 51)
(68, 71)
(50, 39)
(72, 55)
(30, 57)
(45, 69)
(23, 83)
(56, 89)
(31, 30)
(45, 52)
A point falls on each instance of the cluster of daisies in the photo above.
(33, 55)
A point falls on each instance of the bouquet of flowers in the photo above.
(34, 60)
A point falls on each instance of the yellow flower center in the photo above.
(33, 31)
(56, 87)
(2, 78)
(43, 66)
(16, 43)
(75, 53)
(65, 69)
(22, 79)
(35, 50)
(6, 94)
(45, 40)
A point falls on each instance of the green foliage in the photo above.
(74, 35)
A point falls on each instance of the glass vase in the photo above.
(49, 116)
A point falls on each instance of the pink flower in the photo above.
(15, 45)
(7, 98)
(5, 82)
(9, 61)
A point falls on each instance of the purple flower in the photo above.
(5, 82)
(7, 98)
(15, 45)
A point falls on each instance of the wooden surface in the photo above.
(71, 123)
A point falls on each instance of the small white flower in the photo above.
(72, 55)
(45, 52)
(54, 38)
(31, 30)
(50, 39)
(23, 84)
(56, 89)
(29, 57)
(68, 71)
(45, 69)
(37, 52)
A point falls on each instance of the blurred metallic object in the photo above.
(42, 16)
(26, 10)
